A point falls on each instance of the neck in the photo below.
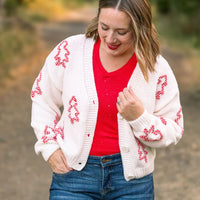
(113, 63)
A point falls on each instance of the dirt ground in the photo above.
(25, 176)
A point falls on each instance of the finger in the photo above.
(130, 90)
(132, 93)
(58, 162)
(118, 100)
(121, 98)
(59, 167)
(128, 95)
(118, 106)
(65, 162)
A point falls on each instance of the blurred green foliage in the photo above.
(81, 1)
(183, 17)
(18, 38)
(16, 44)
(11, 6)
(188, 7)
(78, 2)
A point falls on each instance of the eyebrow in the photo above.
(123, 29)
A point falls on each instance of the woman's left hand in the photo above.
(129, 105)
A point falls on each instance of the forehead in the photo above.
(114, 17)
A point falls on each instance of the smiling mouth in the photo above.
(113, 47)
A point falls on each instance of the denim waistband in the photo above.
(105, 160)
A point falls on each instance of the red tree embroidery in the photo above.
(163, 121)
(162, 83)
(141, 151)
(62, 55)
(179, 115)
(51, 133)
(37, 90)
(152, 135)
(73, 111)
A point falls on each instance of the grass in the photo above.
(16, 45)
(18, 40)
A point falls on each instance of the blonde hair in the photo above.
(144, 33)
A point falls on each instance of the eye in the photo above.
(104, 28)
(122, 33)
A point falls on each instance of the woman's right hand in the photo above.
(58, 162)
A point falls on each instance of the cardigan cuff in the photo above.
(46, 150)
(141, 122)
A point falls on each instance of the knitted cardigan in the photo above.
(65, 106)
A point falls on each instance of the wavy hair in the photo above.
(146, 43)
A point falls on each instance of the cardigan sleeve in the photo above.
(46, 98)
(165, 125)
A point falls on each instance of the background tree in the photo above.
(10, 6)
(184, 16)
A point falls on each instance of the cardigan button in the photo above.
(125, 149)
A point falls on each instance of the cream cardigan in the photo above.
(66, 81)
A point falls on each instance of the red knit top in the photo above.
(108, 86)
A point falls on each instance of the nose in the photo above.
(111, 37)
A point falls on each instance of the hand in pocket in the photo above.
(58, 162)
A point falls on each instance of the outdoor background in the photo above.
(29, 30)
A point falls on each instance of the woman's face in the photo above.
(115, 33)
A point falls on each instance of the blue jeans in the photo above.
(101, 179)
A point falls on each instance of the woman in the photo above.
(120, 101)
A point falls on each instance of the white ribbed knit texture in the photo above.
(160, 125)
